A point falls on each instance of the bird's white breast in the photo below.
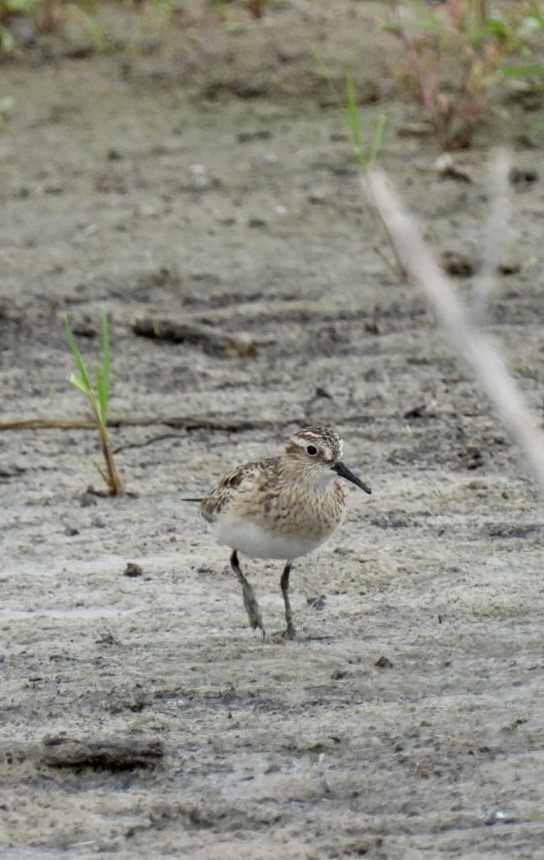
(257, 542)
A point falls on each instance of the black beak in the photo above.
(346, 473)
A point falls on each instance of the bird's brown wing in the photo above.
(212, 506)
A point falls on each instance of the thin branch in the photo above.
(181, 422)
(226, 424)
(474, 345)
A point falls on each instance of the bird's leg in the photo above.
(250, 601)
(290, 632)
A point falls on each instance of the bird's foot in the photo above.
(290, 632)
(283, 636)
(253, 609)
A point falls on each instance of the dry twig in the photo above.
(474, 345)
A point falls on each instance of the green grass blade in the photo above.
(103, 373)
(325, 74)
(366, 158)
(98, 399)
(102, 394)
(78, 358)
(79, 383)
(355, 126)
(523, 70)
(96, 32)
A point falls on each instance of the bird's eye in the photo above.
(311, 450)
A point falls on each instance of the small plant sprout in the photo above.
(98, 399)
(366, 156)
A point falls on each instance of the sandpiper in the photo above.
(282, 507)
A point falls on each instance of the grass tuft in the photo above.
(98, 399)
(366, 156)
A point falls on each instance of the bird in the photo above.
(281, 508)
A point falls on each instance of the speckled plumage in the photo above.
(282, 507)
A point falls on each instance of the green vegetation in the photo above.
(366, 156)
(456, 54)
(9, 9)
(50, 16)
(531, 30)
(98, 399)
